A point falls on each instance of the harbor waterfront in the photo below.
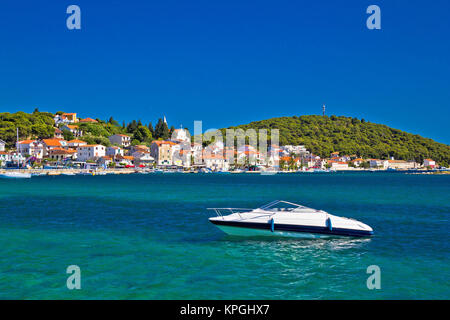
(148, 237)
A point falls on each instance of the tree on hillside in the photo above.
(132, 127)
(150, 127)
(161, 130)
(67, 135)
(113, 122)
(143, 135)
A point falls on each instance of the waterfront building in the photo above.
(114, 151)
(61, 154)
(401, 164)
(338, 165)
(142, 158)
(162, 152)
(17, 158)
(124, 160)
(380, 164)
(357, 162)
(4, 158)
(90, 152)
(33, 148)
(429, 163)
(50, 144)
(105, 161)
(216, 162)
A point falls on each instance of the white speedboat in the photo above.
(282, 218)
(20, 175)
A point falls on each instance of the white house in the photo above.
(295, 149)
(357, 162)
(429, 163)
(377, 163)
(32, 148)
(124, 160)
(120, 139)
(90, 152)
(60, 154)
(338, 165)
(50, 144)
(4, 158)
(142, 158)
(197, 152)
(58, 134)
(216, 162)
(76, 143)
(60, 119)
(17, 157)
(105, 161)
(2, 145)
(114, 151)
(74, 129)
(402, 164)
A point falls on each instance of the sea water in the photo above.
(148, 237)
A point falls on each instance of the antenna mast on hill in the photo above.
(323, 110)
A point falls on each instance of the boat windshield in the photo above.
(280, 205)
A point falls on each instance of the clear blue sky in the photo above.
(230, 62)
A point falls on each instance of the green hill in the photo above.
(323, 135)
(36, 124)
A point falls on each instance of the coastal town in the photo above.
(178, 153)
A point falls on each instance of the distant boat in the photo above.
(20, 175)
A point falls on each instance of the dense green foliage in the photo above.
(323, 135)
(36, 124)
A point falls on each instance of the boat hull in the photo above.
(16, 175)
(250, 232)
(249, 229)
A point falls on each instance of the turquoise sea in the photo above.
(148, 237)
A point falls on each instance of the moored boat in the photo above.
(19, 175)
(287, 219)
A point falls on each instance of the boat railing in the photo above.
(219, 211)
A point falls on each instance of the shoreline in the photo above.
(71, 171)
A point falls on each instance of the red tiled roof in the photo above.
(76, 141)
(26, 141)
(52, 142)
(88, 120)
